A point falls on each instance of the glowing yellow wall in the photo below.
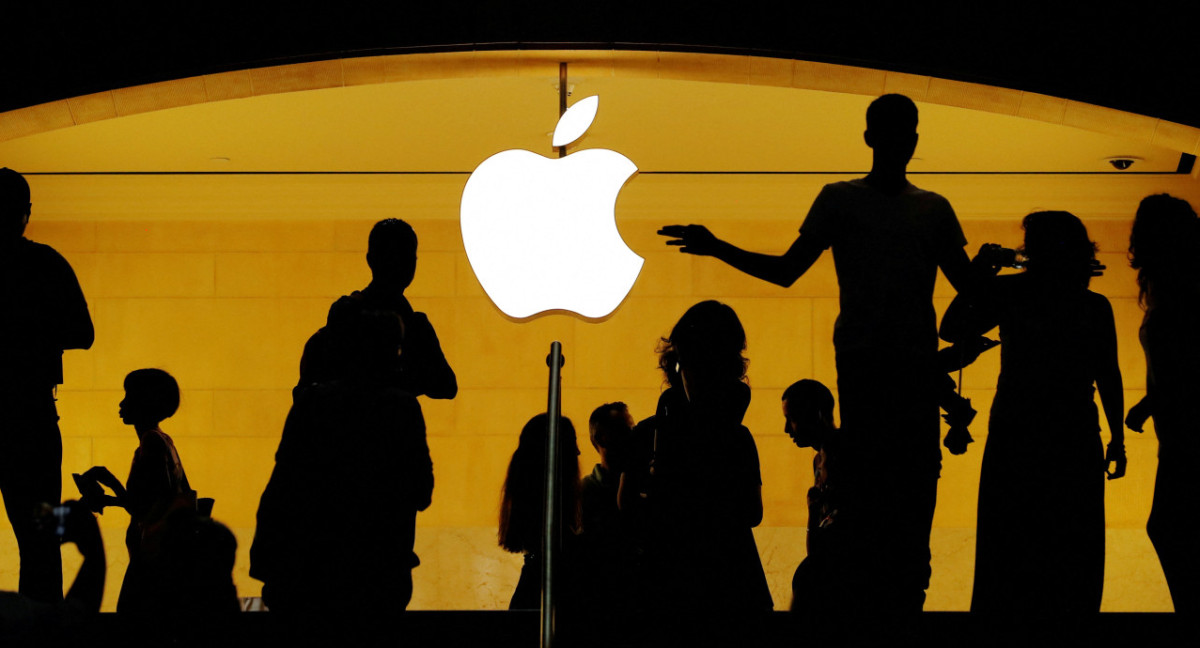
(220, 279)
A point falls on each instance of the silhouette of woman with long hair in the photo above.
(1040, 542)
(522, 505)
(1163, 248)
(697, 493)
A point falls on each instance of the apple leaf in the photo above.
(575, 122)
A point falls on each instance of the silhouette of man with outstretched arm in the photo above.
(44, 312)
(423, 369)
(888, 239)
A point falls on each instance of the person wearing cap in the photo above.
(44, 313)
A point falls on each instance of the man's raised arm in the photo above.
(782, 270)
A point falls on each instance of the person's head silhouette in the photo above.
(392, 253)
(808, 412)
(522, 494)
(609, 426)
(1057, 248)
(892, 131)
(14, 204)
(1162, 248)
(705, 348)
(151, 396)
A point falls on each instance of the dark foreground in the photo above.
(520, 629)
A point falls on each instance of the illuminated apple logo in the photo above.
(541, 233)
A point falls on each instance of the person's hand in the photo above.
(82, 529)
(691, 239)
(957, 439)
(1138, 415)
(70, 521)
(1115, 460)
(1098, 268)
(990, 259)
(101, 475)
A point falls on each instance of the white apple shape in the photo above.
(541, 233)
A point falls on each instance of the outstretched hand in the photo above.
(691, 239)
(1115, 460)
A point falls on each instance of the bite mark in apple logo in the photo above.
(541, 234)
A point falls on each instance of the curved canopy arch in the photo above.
(725, 69)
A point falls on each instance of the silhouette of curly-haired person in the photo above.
(888, 238)
(1040, 540)
(1163, 247)
(157, 485)
(522, 508)
(336, 524)
(694, 489)
(44, 314)
(423, 370)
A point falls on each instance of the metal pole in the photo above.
(553, 528)
(562, 99)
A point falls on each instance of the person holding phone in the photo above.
(1039, 548)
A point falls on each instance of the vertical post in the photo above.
(552, 529)
(562, 99)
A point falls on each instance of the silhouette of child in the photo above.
(157, 484)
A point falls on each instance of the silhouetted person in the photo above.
(888, 239)
(522, 509)
(157, 485)
(1040, 543)
(695, 490)
(336, 523)
(607, 551)
(196, 600)
(609, 428)
(824, 582)
(1163, 248)
(28, 622)
(44, 313)
(423, 370)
